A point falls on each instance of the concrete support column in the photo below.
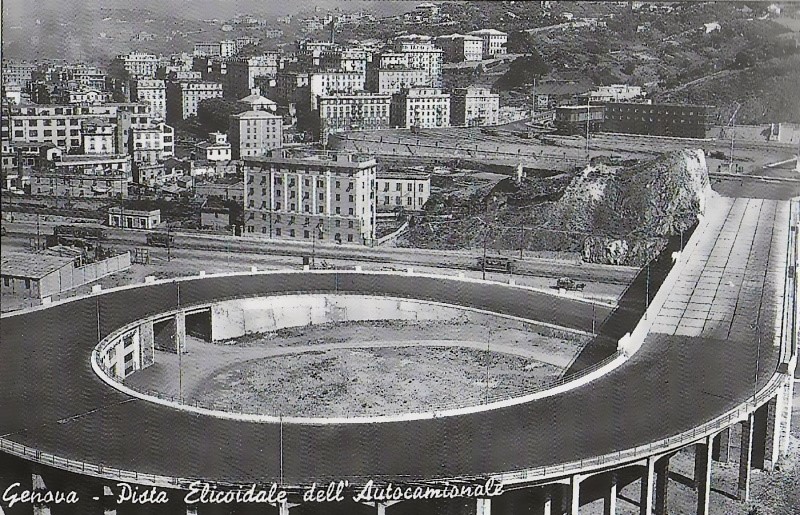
(37, 483)
(745, 459)
(610, 496)
(662, 485)
(191, 509)
(546, 508)
(180, 332)
(483, 507)
(147, 343)
(573, 495)
(702, 474)
(785, 415)
(772, 435)
(648, 477)
(721, 449)
(109, 500)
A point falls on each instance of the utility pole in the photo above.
(588, 120)
(732, 126)
(485, 236)
(169, 242)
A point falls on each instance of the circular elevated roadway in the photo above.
(52, 401)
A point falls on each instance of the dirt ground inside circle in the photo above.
(365, 368)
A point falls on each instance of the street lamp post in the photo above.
(758, 359)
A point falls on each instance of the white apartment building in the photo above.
(324, 83)
(216, 148)
(616, 93)
(460, 47)
(406, 189)
(136, 65)
(254, 133)
(392, 80)
(85, 96)
(422, 107)
(98, 136)
(494, 41)
(474, 106)
(421, 54)
(82, 176)
(61, 125)
(153, 93)
(152, 144)
(329, 198)
(353, 111)
(184, 97)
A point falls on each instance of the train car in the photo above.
(79, 231)
(496, 264)
(160, 239)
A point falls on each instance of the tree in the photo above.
(213, 114)
(522, 71)
(520, 42)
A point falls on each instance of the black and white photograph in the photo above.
(389, 257)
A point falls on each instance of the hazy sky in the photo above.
(16, 11)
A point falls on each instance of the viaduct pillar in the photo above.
(662, 485)
(610, 496)
(483, 507)
(745, 458)
(147, 343)
(702, 474)
(721, 450)
(648, 477)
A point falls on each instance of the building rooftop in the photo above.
(488, 32)
(31, 266)
(403, 174)
(331, 160)
(255, 114)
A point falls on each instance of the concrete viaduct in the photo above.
(713, 349)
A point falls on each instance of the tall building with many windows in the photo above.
(184, 97)
(316, 198)
(353, 111)
(254, 133)
(460, 47)
(420, 107)
(494, 41)
(474, 106)
(153, 93)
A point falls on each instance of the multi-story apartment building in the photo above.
(254, 133)
(616, 93)
(184, 97)
(135, 65)
(18, 72)
(353, 111)
(676, 120)
(224, 48)
(153, 93)
(325, 198)
(216, 148)
(460, 47)
(83, 75)
(241, 73)
(291, 86)
(474, 106)
(152, 144)
(421, 107)
(324, 83)
(406, 189)
(421, 54)
(83, 176)
(98, 136)
(61, 125)
(83, 96)
(494, 41)
(392, 80)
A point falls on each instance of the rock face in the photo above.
(626, 217)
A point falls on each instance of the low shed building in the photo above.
(34, 275)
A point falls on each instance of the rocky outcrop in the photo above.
(625, 216)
